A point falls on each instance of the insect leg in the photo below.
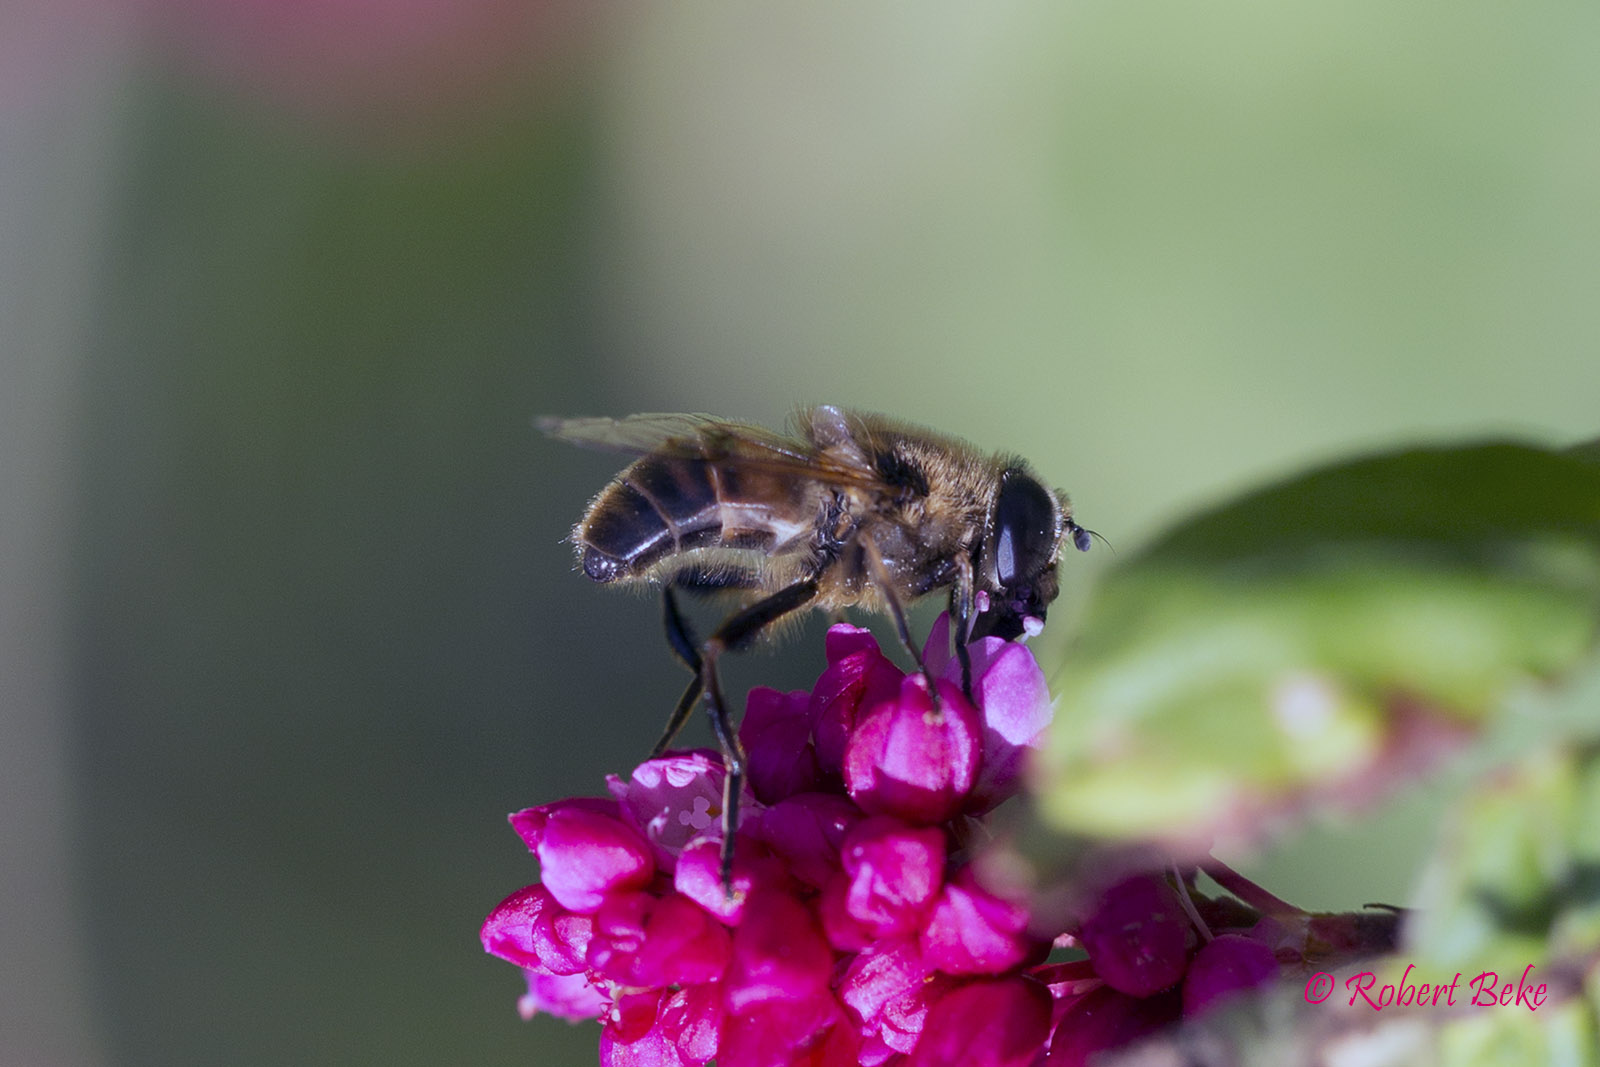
(735, 632)
(961, 622)
(880, 574)
(680, 635)
(682, 640)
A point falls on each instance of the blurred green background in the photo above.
(288, 625)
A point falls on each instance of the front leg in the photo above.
(961, 622)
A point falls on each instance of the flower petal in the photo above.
(1014, 704)
(776, 733)
(859, 677)
(585, 853)
(972, 931)
(990, 1023)
(1106, 1019)
(894, 872)
(779, 954)
(673, 799)
(806, 832)
(1229, 964)
(880, 974)
(909, 760)
(699, 876)
(531, 930)
(566, 996)
(1138, 938)
(645, 942)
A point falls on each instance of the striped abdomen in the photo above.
(664, 505)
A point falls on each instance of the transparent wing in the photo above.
(707, 437)
(669, 431)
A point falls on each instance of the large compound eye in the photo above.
(1025, 528)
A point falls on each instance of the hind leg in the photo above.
(680, 635)
(737, 631)
(682, 640)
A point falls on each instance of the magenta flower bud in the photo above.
(1106, 1019)
(531, 930)
(691, 1019)
(972, 931)
(776, 998)
(566, 996)
(652, 1049)
(699, 876)
(844, 931)
(633, 1014)
(585, 851)
(1001, 1022)
(806, 831)
(894, 872)
(937, 651)
(776, 733)
(673, 799)
(882, 973)
(859, 677)
(683, 945)
(876, 1052)
(1230, 964)
(641, 941)
(1015, 708)
(840, 1047)
(843, 641)
(1067, 982)
(779, 954)
(619, 926)
(905, 1016)
(907, 759)
(633, 1037)
(787, 1034)
(530, 823)
(778, 1008)
(1138, 938)
(1013, 701)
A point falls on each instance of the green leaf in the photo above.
(1557, 1034)
(1318, 642)
(1509, 885)
(1457, 500)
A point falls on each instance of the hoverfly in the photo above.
(850, 511)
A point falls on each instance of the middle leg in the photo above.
(897, 611)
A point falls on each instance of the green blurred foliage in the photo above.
(1286, 646)
(1516, 879)
(318, 661)
(1154, 245)
(1242, 674)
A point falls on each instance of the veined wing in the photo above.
(710, 438)
(672, 431)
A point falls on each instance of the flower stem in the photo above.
(1246, 890)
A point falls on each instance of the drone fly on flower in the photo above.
(852, 510)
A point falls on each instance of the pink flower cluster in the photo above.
(1150, 963)
(858, 932)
